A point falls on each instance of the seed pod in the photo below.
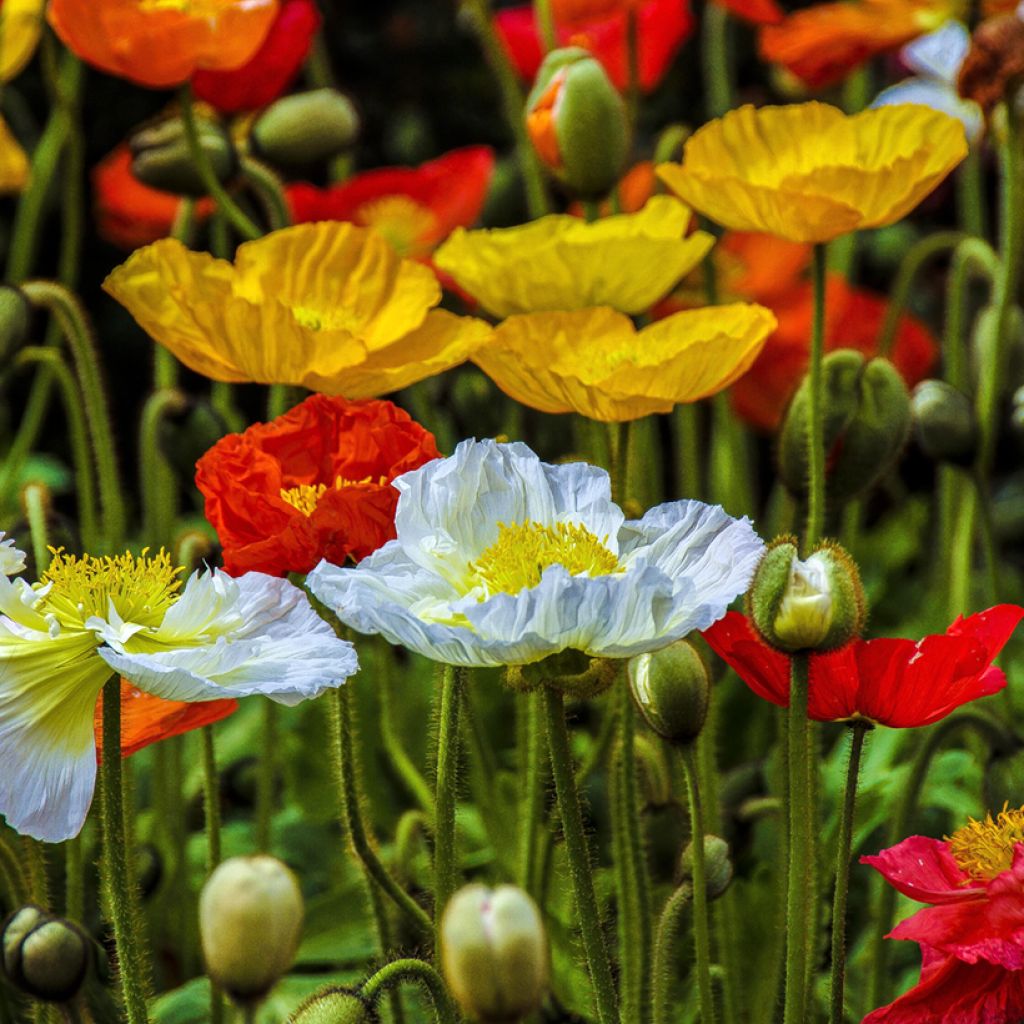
(672, 690)
(305, 128)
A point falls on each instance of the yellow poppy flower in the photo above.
(595, 362)
(329, 306)
(13, 162)
(560, 262)
(21, 25)
(809, 173)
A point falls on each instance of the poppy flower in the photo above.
(808, 172)
(663, 26)
(971, 934)
(314, 483)
(21, 25)
(329, 306)
(130, 214)
(757, 12)
(146, 719)
(414, 208)
(501, 559)
(269, 72)
(894, 682)
(162, 44)
(822, 44)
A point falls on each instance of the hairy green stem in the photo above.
(36, 499)
(211, 810)
(446, 789)
(268, 187)
(663, 969)
(419, 971)
(157, 483)
(532, 774)
(816, 410)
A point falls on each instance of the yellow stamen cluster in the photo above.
(305, 497)
(141, 588)
(984, 849)
(400, 219)
(517, 559)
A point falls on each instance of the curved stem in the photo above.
(972, 257)
(843, 850)
(594, 946)
(399, 971)
(268, 187)
(117, 876)
(701, 931)
(545, 19)
(661, 972)
(816, 412)
(446, 789)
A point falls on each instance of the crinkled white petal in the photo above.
(11, 559)
(48, 692)
(939, 96)
(281, 648)
(939, 54)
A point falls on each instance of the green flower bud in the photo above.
(15, 320)
(494, 953)
(44, 956)
(867, 421)
(334, 1005)
(305, 128)
(672, 690)
(162, 160)
(944, 422)
(578, 122)
(816, 604)
(717, 865)
(250, 921)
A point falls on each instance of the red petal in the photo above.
(763, 669)
(760, 12)
(924, 869)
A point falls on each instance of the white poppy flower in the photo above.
(11, 559)
(62, 638)
(501, 559)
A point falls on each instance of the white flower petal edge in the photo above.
(11, 559)
(679, 566)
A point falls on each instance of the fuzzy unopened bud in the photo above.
(944, 422)
(250, 921)
(813, 604)
(494, 953)
(334, 1005)
(306, 128)
(672, 690)
(44, 956)
(718, 869)
(577, 122)
(161, 157)
(994, 66)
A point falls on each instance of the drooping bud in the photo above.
(15, 320)
(494, 953)
(672, 690)
(250, 921)
(866, 419)
(577, 122)
(162, 160)
(334, 1005)
(815, 604)
(994, 66)
(717, 865)
(305, 128)
(944, 422)
(44, 956)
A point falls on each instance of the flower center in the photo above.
(338, 319)
(984, 849)
(517, 559)
(306, 496)
(407, 225)
(141, 588)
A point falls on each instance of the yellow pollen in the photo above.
(984, 849)
(197, 8)
(517, 559)
(305, 497)
(338, 319)
(403, 222)
(141, 588)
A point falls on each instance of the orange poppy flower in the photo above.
(130, 214)
(162, 43)
(146, 719)
(821, 45)
(314, 483)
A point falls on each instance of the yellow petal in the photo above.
(13, 161)
(21, 24)
(627, 262)
(594, 362)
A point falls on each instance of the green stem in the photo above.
(344, 767)
(157, 484)
(265, 776)
(618, 435)
(663, 969)
(594, 946)
(816, 412)
(993, 588)
(240, 221)
(419, 971)
(972, 257)
(633, 66)
(970, 193)
(446, 789)
(117, 876)
(405, 769)
(36, 498)
(74, 880)
(715, 60)
(688, 447)
(531, 805)
(545, 19)
(844, 846)
(211, 809)
(270, 190)
(799, 893)
(701, 931)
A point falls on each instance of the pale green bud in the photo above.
(672, 690)
(944, 422)
(718, 869)
(333, 1005)
(306, 128)
(161, 157)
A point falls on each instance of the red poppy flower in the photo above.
(759, 12)
(130, 214)
(664, 26)
(972, 934)
(414, 208)
(893, 682)
(271, 70)
(314, 483)
(146, 719)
